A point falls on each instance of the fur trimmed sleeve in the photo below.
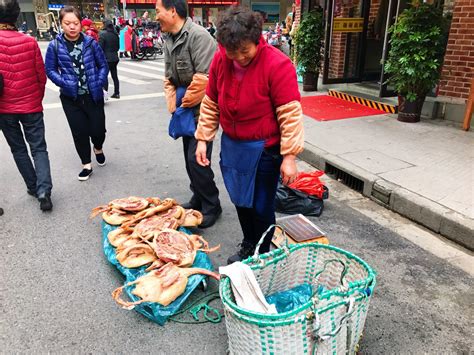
(208, 123)
(290, 120)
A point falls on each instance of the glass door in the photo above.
(346, 28)
(395, 8)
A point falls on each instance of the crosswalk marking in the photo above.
(144, 66)
(51, 86)
(122, 98)
(129, 80)
(138, 72)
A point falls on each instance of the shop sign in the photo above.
(342, 24)
(55, 6)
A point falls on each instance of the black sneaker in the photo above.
(84, 174)
(45, 203)
(245, 251)
(1, 211)
(208, 220)
(192, 205)
(100, 159)
(115, 96)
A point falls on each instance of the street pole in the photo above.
(125, 14)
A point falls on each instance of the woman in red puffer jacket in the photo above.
(21, 111)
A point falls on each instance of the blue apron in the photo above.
(182, 121)
(239, 162)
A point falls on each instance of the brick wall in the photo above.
(458, 68)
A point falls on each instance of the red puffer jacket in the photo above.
(22, 67)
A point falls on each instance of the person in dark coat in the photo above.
(76, 63)
(110, 44)
(21, 110)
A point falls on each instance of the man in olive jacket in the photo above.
(189, 50)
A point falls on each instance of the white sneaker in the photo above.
(106, 95)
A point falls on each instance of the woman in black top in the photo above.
(110, 43)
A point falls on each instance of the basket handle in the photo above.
(343, 273)
(260, 242)
(326, 336)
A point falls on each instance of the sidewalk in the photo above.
(423, 171)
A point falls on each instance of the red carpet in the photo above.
(329, 108)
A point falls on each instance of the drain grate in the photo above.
(346, 178)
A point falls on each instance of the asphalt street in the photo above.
(55, 283)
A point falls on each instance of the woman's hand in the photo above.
(201, 151)
(288, 169)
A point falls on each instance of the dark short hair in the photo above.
(9, 11)
(237, 25)
(68, 10)
(181, 6)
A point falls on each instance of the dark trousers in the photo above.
(256, 220)
(37, 177)
(86, 120)
(113, 73)
(205, 192)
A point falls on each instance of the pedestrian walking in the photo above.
(188, 50)
(76, 63)
(110, 43)
(253, 94)
(128, 39)
(123, 52)
(21, 110)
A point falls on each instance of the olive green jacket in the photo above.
(191, 53)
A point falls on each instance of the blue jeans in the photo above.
(256, 220)
(37, 177)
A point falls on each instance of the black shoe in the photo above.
(45, 203)
(245, 251)
(31, 193)
(100, 157)
(191, 205)
(84, 174)
(208, 220)
(115, 96)
(1, 211)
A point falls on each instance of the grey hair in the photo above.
(9, 11)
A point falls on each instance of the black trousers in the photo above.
(205, 192)
(113, 73)
(256, 220)
(86, 120)
(38, 176)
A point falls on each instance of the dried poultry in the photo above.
(163, 285)
(136, 255)
(179, 248)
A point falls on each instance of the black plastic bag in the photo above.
(292, 201)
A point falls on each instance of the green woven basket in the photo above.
(330, 323)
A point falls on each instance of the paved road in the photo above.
(55, 283)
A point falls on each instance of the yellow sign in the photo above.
(342, 24)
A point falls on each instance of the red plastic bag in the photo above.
(310, 184)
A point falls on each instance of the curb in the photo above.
(430, 214)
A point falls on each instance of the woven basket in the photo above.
(331, 322)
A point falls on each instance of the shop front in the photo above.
(204, 11)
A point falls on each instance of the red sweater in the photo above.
(23, 73)
(248, 107)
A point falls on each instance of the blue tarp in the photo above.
(152, 310)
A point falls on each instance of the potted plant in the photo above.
(308, 44)
(418, 43)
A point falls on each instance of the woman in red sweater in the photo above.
(21, 110)
(253, 94)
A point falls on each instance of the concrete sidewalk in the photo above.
(423, 171)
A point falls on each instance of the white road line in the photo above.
(143, 66)
(122, 98)
(50, 85)
(131, 80)
(138, 72)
